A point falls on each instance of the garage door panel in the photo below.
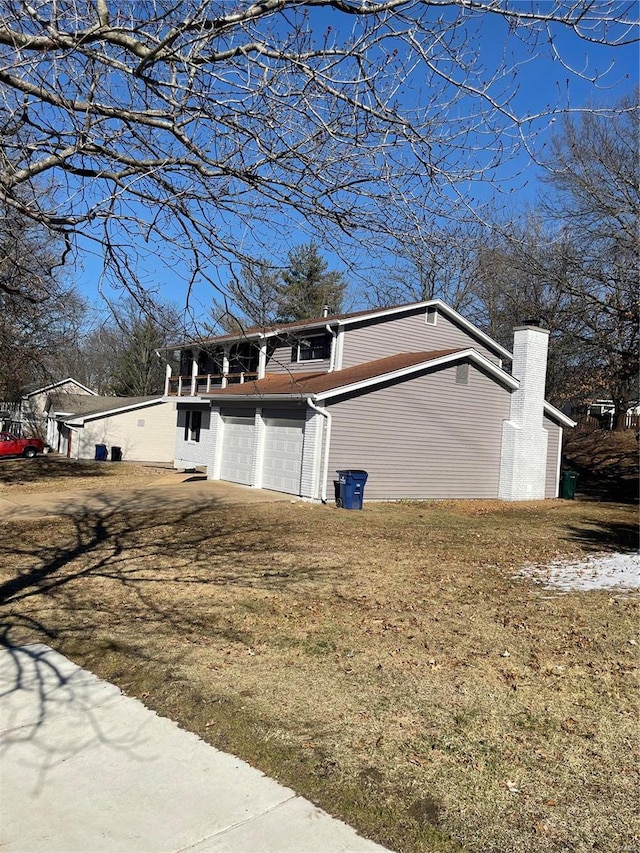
(282, 463)
(237, 450)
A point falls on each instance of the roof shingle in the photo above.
(316, 383)
(84, 404)
(313, 322)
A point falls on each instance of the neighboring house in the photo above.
(604, 411)
(416, 395)
(11, 417)
(28, 416)
(142, 428)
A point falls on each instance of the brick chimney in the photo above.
(524, 439)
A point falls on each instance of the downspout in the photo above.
(327, 441)
(262, 357)
(332, 360)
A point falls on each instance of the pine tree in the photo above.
(307, 286)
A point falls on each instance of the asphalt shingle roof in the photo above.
(315, 383)
(85, 405)
(314, 322)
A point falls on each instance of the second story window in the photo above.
(312, 348)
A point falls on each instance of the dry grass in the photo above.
(384, 663)
(607, 463)
(52, 473)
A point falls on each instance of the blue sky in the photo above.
(542, 83)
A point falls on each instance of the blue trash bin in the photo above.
(351, 488)
(101, 452)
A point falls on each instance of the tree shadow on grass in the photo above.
(43, 468)
(142, 585)
(607, 464)
(602, 536)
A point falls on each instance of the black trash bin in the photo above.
(351, 488)
(116, 454)
(568, 485)
(101, 452)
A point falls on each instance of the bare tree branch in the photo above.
(193, 127)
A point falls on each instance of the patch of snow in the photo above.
(613, 571)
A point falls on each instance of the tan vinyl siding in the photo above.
(311, 457)
(280, 362)
(368, 341)
(553, 449)
(424, 438)
(144, 434)
(35, 404)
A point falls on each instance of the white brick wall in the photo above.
(524, 439)
(258, 449)
(214, 450)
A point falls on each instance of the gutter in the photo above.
(327, 442)
(241, 398)
(80, 420)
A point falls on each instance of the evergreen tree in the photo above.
(307, 286)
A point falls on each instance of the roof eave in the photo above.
(257, 395)
(558, 415)
(374, 314)
(471, 354)
(92, 416)
(390, 375)
(44, 388)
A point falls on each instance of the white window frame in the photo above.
(326, 338)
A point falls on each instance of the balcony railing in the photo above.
(193, 386)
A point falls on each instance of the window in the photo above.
(312, 348)
(432, 316)
(192, 425)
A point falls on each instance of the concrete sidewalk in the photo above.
(85, 768)
(172, 492)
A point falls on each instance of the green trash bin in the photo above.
(569, 480)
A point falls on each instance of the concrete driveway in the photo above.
(175, 491)
(84, 768)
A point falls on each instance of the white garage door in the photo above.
(237, 450)
(282, 466)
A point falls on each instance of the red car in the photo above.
(11, 445)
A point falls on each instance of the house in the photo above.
(604, 412)
(28, 416)
(141, 428)
(416, 395)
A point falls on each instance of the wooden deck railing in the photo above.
(190, 386)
